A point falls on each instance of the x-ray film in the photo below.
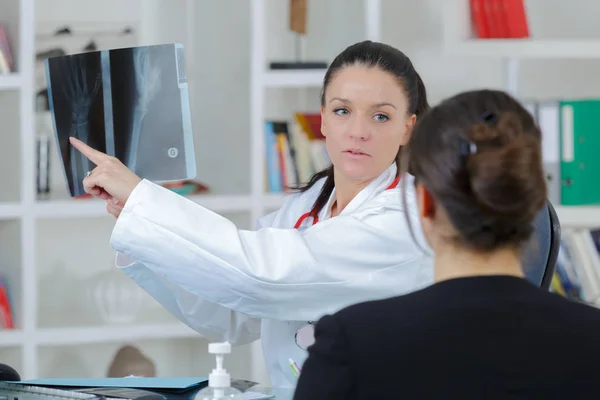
(131, 103)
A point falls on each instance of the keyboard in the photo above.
(16, 391)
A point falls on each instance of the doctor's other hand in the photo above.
(111, 179)
(114, 207)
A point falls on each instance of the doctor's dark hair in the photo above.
(388, 59)
(479, 155)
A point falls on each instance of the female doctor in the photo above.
(332, 244)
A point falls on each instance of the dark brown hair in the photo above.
(388, 59)
(479, 155)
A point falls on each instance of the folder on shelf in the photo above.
(131, 103)
(548, 121)
(579, 144)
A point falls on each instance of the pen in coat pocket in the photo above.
(295, 367)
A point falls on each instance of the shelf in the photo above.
(78, 208)
(10, 81)
(458, 40)
(10, 210)
(11, 337)
(525, 48)
(108, 334)
(295, 78)
(578, 216)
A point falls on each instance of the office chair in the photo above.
(540, 254)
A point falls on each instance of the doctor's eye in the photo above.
(381, 118)
(341, 111)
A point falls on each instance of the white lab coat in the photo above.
(241, 285)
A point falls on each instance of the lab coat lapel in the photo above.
(373, 189)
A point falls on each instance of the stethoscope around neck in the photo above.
(305, 335)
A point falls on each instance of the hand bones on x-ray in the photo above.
(147, 80)
(81, 97)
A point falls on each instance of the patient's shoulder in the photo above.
(382, 311)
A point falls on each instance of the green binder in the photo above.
(580, 152)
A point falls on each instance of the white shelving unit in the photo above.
(23, 216)
(458, 40)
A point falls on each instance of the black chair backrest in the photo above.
(540, 254)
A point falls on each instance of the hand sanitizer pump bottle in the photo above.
(219, 381)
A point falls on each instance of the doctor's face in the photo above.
(364, 121)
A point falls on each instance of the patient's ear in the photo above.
(426, 203)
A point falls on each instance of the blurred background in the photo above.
(67, 312)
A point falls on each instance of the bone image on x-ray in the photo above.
(81, 96)
(147, 85)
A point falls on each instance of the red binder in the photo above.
(516, 18)
(499, 19)
(479, 19)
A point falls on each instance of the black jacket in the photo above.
(465, 338)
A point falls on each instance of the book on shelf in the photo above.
(577, 275)
(7, 64)
(294, 151)
(569, 149)
(6, 309)
(499, 19)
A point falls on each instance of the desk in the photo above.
(279, 393)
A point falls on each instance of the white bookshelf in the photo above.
(10, 81)
(459, 41)
(30, 238)
(290, 79)
(34, 345)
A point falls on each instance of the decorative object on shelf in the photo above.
(116, 297)
(130, 361)
(298, 17)
(186, 187)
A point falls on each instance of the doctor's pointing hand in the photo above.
(341, 239)
(110, 180)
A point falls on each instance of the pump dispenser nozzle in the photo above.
(219, 381)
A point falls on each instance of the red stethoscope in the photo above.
(315, 216)
(305, 335)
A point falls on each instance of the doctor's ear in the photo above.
(408, 128)
(323, 132)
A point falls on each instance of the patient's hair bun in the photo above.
(479, 154)
(506, 179)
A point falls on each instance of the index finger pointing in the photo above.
(91, 154)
